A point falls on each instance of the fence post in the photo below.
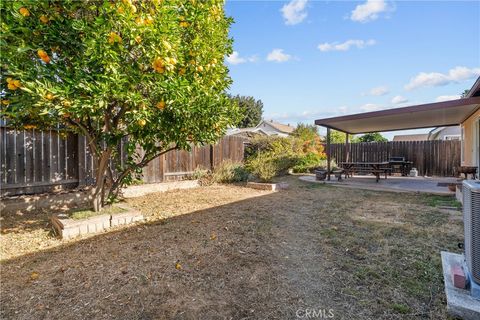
(329, 156)
(81, 161)
(163, 164)
(212, 159)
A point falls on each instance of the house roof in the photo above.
(411, 137)
(279, 126)
(439, 114)
(246, 131)
(475, 90)
(447, 113)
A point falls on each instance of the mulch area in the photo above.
(229, 252)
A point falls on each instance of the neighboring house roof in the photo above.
(284, 128)
(248, 132)
(440, 132)
(411, 137)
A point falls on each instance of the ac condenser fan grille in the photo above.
(475, 234)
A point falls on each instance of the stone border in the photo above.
(267, 186)
(143, 189)
(68, 228)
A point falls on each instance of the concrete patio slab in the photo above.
(393, 183)
(459, 301)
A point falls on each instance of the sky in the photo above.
(308, 60)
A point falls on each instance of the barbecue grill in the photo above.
(400, 165)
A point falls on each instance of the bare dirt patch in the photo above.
(229, 252)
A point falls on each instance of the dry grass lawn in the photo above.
(228, 252)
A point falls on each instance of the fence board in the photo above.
(3, 165)
(10, 156)
(34, 161)
(432, 158)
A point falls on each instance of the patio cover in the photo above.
(439, 114)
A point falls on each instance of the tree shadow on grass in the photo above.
(213, 263)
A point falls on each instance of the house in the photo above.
(268, 128)
(275, 128)
(445, 133)
(439, 133)
(411, 137)
(245, 132)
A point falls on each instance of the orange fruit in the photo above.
(158, 65)
(161, 105)
(24, 12)
(44, 19)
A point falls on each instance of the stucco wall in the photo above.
(468, 143)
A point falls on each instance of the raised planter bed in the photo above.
(67, 227)
(267, 186)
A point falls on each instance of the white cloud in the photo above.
(371, 107)
(294, 12)
(447, 98)
(235, 58)
(344, 46)
(399, 99)
(379, 91)
(277, 55)
(368, 11)
(435, 79)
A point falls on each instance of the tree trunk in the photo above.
(98, 189)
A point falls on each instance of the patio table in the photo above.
(376, 168)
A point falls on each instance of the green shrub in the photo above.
(263, 166)
(228, 171)
(272, 154)
(285, 146)
(204, 176)
(308, 162)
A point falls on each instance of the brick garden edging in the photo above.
(68, 228)
(267, 186)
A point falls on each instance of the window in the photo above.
(452, 137)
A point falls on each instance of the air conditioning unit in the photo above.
(471, 221)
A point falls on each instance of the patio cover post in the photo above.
(347, 148)
(328, 154)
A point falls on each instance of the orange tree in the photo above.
(152, 71)
(310, 139)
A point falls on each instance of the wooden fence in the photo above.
(431, 158)
(34, 161)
